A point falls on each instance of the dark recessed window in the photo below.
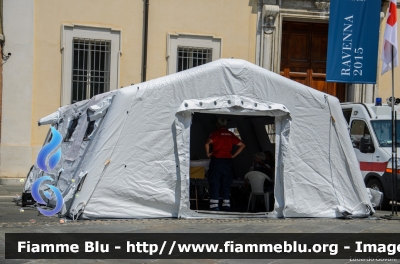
(91, 68)
(189, 57)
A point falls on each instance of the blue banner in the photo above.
(353, 41)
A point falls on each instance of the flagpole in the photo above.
(395, 154)
(390, 61)
(394, 147)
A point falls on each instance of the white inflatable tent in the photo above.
(126, 154)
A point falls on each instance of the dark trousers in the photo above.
(220, 178)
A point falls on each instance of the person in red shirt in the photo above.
(220, 173)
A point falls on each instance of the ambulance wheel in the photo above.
(376, 185)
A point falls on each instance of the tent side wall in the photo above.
(317, 178)
(66, 175)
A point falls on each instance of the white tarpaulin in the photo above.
(136, 162)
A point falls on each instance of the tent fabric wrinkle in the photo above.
(136, 161)
(50, 119)
(100, 109)
(80, 130)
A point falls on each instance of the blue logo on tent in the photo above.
(47, 149)
(38, 198)
(47, 161)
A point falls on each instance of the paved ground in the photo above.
(14, 221)
(10, 190)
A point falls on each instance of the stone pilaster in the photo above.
(270, 38)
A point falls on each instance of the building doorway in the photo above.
(303, 56)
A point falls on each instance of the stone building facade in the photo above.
(292, 41)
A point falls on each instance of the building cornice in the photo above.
(304, 14)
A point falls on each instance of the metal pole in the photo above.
(394, 180)
(395, 156)
(145, 38)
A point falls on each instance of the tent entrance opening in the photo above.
(258, 134)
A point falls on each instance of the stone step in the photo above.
(12, 181)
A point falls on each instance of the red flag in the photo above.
(390, 39)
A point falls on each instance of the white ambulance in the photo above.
(370, 130)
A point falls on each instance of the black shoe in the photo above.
(214, 209)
